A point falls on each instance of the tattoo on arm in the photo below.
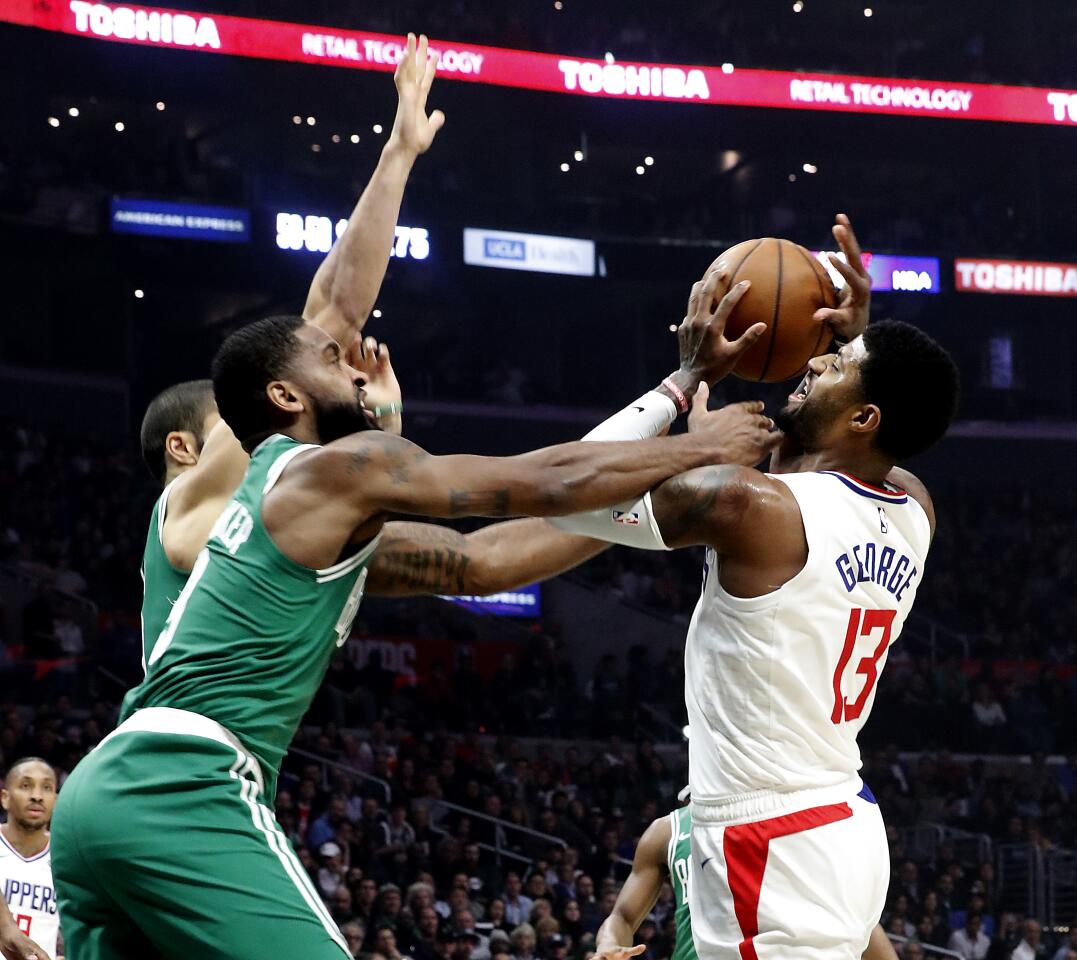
(479, 503)
(437, 569)
(690, 502)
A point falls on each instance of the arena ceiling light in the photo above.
(564, 168)
(810, 168)
(297, 119)
(376, 313)
(160, 105)
(798, 6)
(649, 160)
(641, 169)
(311, 121)
(578, 156)
(72, 111)
(377, 128)
(354, 138)
(119, 126)
(54, 121)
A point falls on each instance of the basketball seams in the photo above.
(775, 317)
(733, 275)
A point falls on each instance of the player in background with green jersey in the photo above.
(665, 852)
(189, 450)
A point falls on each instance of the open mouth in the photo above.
(802, 391)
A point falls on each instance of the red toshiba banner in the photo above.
(274, 40)
(1017, 277)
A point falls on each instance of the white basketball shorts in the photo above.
(798, 876)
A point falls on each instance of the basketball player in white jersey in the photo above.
(28, 796)
(811, 570)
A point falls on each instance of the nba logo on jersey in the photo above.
(883, 525)
(628, 517)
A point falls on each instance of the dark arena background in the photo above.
(168, 176)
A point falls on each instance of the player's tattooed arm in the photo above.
(637, 896)
(422, 558)
(374, 473)
(346, 285)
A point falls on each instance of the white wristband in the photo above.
(642, 419)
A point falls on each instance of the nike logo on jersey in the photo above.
(705, 862)
(640, 409)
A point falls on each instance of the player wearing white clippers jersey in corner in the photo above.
(811, 570)
(28, 797)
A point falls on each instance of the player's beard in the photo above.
(336, 419)
(805, 422)
(31, 826)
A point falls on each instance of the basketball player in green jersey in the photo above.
(665, 852)
(162, 837)
(189, 450)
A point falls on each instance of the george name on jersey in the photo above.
(873, 563)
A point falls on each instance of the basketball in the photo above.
(788, 286)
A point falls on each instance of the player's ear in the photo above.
(284, 396)
(181, 446)
(866, 419)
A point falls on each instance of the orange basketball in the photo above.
(788, 286)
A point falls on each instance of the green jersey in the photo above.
(679, 860)
(250, 637)
(162, 583)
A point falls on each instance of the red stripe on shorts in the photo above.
(746, 847)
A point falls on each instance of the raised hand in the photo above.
(749, 434)
(704, 349)
(850, 318)
(381, 387)
(412, 128)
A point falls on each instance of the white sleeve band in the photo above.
(631, 523)
(642, 419)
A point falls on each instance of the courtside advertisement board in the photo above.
(524, 69)
(1029, 278)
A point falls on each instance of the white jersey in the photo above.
(778, 686)
(30, 894)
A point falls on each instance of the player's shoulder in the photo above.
(653, 845)
(917, 491)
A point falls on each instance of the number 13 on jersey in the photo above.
(862, 624)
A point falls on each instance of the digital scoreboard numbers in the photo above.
(315, 234)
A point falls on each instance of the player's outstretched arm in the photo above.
(637, 896)
(346, 285)
(414, 559)
(376, 474)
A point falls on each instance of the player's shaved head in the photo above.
(17, 769)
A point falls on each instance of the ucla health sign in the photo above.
(529, 251)
(890, 273)
(192, 221)
(524, 602)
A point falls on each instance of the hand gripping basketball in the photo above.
(704, 349)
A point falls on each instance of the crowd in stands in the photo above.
(429, 844)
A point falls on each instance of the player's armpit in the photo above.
(421, 558)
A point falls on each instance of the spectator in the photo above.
(523, 942)
(325, 827)
(385, 942)
(354, 935)
(495, 914)
(1030, 947)
(517, 905)
(912, 951)
(971, 942)
(342, 905)
(331, 873)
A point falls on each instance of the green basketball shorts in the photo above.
(162, 845)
